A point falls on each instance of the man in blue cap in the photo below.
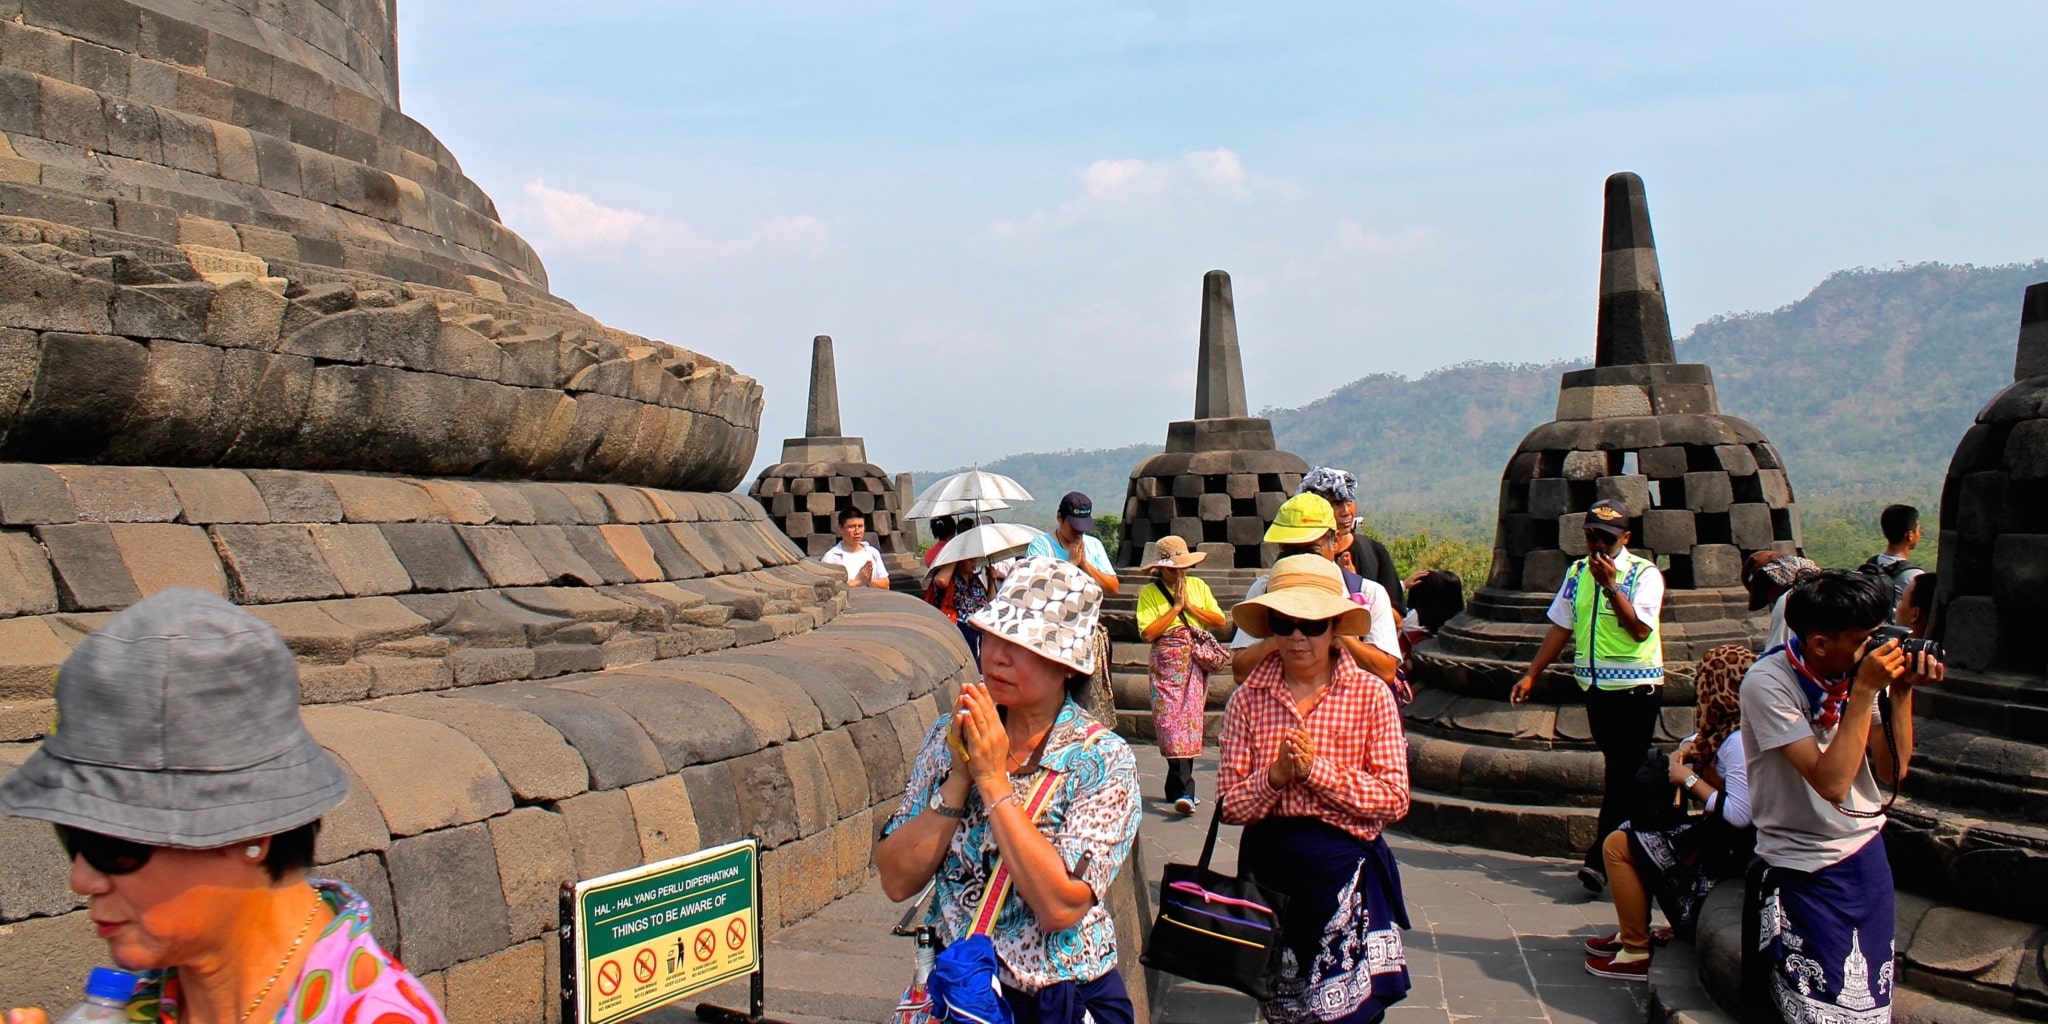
(1608, 610)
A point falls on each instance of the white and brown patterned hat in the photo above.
(1048, 606)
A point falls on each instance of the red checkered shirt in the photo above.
(1359, 778)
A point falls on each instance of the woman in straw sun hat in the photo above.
(1315, 765)
(1016, 740)
(1175, 612)
(189, 795)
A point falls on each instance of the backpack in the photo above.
(1893, 574)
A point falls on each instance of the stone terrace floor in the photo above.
(1496, 938)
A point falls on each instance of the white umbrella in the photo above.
(989, 541)
(926, 508)
(976, 485)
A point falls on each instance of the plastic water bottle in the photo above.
(106, 998)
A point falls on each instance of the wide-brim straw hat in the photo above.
(1174, 554)
(1305, 588)
(178, 725)
(1049, 607)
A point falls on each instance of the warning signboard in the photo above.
(649, 936)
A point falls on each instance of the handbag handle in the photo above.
(1209, 844)
(998, 891)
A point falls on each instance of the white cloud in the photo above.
(1351, 237)
(1127, 187)
(551, 217)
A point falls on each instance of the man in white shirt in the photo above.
(861, 560)
(1306, 524)
(1823, 718)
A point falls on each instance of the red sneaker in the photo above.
(1604, 945)
(1605, 967)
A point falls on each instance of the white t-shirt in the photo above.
(1045, 545)
(1775, 636)
(1795, 828)
(1383, 634)
(853, 560)
(1733, 799)
(1648, 598)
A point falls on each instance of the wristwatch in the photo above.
(939, 804)
(1690, 781)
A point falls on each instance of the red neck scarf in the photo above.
(1824, 697)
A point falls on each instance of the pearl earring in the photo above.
(255, 852)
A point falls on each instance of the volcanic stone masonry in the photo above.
(259, 335)
(1703, 489)
(1220, 480)
(823, 473)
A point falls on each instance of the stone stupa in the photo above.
(824, 472)
(1220, 479)
(1704, 490)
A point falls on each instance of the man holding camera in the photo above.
(1823, 717)
(1608, 610)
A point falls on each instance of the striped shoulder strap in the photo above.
(998, 890)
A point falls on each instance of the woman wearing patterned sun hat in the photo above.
(189, 794)
(1315, 765)
(1014, 743)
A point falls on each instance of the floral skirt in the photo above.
(1180, 694)
(1344, 962)
(1101, 702)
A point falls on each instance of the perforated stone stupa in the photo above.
(259, 335)
(1704, 490)
(1220, 480)
(824, 472)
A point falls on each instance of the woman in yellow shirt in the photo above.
(1171, 609)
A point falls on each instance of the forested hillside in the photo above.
(1865, 385)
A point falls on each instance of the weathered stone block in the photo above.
(1970, 637)
(85, 389)
(1665, 463)
(1544, 570)
(612, 745)
(424, 775)
(602, 832)
(161, 555)
(767, 797)
(120, 494)
(1750, 524)
(32, 495)
(1716, 565)
(451, 905)
(90, 573)
(1586, 465)
(211, 496)
(844, 766)
(434, 556)
(535, 856)
(508, 987)
(296, 497)
(272, 563)
(359, 558)
(1549, 497)
(1632, 490)
(355, 826)
(1669, 530)
(661, 811)
(1708, 492)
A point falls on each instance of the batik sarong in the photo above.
(1344, 962)
(1824, 941)
(1180, 693)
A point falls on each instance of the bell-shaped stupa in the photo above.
(1703, 490)
(824, 472)
(1220, 479)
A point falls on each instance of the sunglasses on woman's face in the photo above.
(1284, 626)
(106, 854)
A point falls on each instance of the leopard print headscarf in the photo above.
(1720, 699)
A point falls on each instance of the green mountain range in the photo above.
(1865, 386)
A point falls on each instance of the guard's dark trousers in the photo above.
(1622, 723)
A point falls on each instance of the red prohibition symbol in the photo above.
(608, 978)
(706, 944)
(736, 935)
(643, 966)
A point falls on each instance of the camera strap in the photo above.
(1891, 742)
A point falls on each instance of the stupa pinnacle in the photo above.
(824, 471)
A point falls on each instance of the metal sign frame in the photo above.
(575, 942)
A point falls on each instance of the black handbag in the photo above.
(1216, 929)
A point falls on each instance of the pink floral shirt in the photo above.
(348, 978)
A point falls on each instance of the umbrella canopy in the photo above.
(927, 508)
(975, 485)
(990, 541)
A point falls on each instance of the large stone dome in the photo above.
(1704, 490)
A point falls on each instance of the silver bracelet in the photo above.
(1006, 798)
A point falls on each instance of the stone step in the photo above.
(1535, 831)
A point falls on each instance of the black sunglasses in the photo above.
(106, 854)
(1281, 625)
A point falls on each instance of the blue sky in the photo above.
(1002, 212)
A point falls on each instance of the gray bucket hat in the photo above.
(178, 725)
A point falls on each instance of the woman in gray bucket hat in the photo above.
(188, 793)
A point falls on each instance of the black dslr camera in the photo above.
(1909, 645)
